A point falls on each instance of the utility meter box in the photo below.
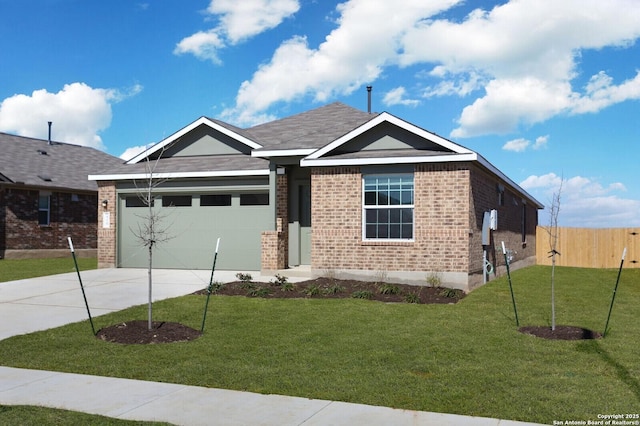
(493, 222)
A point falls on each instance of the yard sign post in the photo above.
(73, 253)
(513, 299)
(215, 257)
(606, 326)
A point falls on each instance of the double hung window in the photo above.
(388, 207)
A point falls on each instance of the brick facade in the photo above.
(514, 216)
(449, 203)
(107, 236)
(71, 215)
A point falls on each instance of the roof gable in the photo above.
(386, 132)
(202, 137)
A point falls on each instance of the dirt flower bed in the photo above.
(562, 332)
(323, 288)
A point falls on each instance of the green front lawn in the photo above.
(19, 269)
(38, 416)
(466, 358)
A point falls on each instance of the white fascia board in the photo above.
(177, 135)
(283, 153)
(176, 175)
(379, 119)
(323, 162)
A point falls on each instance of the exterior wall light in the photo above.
(105, 203)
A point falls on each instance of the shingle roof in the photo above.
(207, 163)
(311, 129)
(35, 162)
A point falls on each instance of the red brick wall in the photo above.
(75, 219)
(484, 197)
(440, 219)
(107, 236)
(450, 200)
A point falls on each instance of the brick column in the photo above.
(107, 236)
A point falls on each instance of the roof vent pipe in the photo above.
(369, 99)
(49, 139)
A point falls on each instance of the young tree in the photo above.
(552, 231)
(151, 230)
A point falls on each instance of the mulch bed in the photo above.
(562, 332)
(137, 332)
(332, 288)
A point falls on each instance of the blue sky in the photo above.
(546, 90)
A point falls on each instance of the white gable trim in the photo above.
(177, 135)
(386, 117)
(175, 175)
(324, 162)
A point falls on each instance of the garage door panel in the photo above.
(192, 233)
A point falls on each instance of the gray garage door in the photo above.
(193, 223)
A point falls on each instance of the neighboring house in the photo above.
(349, 193)
(45, 197)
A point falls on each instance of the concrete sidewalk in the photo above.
(42, 303)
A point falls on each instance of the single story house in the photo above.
(45, 197)
(346, 192)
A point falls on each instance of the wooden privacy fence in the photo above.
(590, 247)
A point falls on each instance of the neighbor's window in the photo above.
(176, 201)
(254, 199)
(388, 207)
(44, 209)
(215, 200)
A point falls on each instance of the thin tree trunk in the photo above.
(553, 299)
(150, 287)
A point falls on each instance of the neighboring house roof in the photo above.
(36, 163)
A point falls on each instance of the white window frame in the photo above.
(366, 207)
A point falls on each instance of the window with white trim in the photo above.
(387, 209)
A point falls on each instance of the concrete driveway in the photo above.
(52, 301)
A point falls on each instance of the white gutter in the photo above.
(306, 162)
(175, 175)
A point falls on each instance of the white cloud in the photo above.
(356, 52)
(522, 55)
(585, 202)
(541, 142)
(243, 19)
(78, 112)
(238, 21)
(527, 50)
(397, 97)
(516, 145)
(131, 152)
(203, 45)
(521, 144)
